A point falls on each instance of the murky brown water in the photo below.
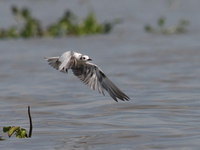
(161, 75)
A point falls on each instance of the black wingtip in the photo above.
(125, 98)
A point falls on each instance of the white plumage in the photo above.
(87, 72)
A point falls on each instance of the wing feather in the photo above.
(93, 76)
(53, 61)
(90, 74)
(67, 60)
(64, 62)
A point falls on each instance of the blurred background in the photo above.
(149, 48)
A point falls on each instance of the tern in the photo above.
(87, 72)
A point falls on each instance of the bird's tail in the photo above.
(53, 61)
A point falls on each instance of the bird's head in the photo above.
(85, 58)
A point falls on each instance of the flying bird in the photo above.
(87, 72)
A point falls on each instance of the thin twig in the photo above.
(30, 120)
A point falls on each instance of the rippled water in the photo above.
(161, 75)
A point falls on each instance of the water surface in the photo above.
(161, 75)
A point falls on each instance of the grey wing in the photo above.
(93, 76)
(53, 61)
(62, 63)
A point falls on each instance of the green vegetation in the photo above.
(19, 132)
(67, 25)
(179, 28)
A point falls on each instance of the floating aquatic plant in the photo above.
(67, 25)
(19, 132)
(163, 29)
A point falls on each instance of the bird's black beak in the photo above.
(89, 59)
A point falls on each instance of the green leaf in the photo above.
(21, 133)
(148, 28)
(12, 130)
(14, 10)
(6, 129)
(161, 21)
(25, 13)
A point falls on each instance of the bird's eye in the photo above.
(83, 57)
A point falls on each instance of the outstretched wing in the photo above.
(93, 76)
(62, 63)
(53, 61)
